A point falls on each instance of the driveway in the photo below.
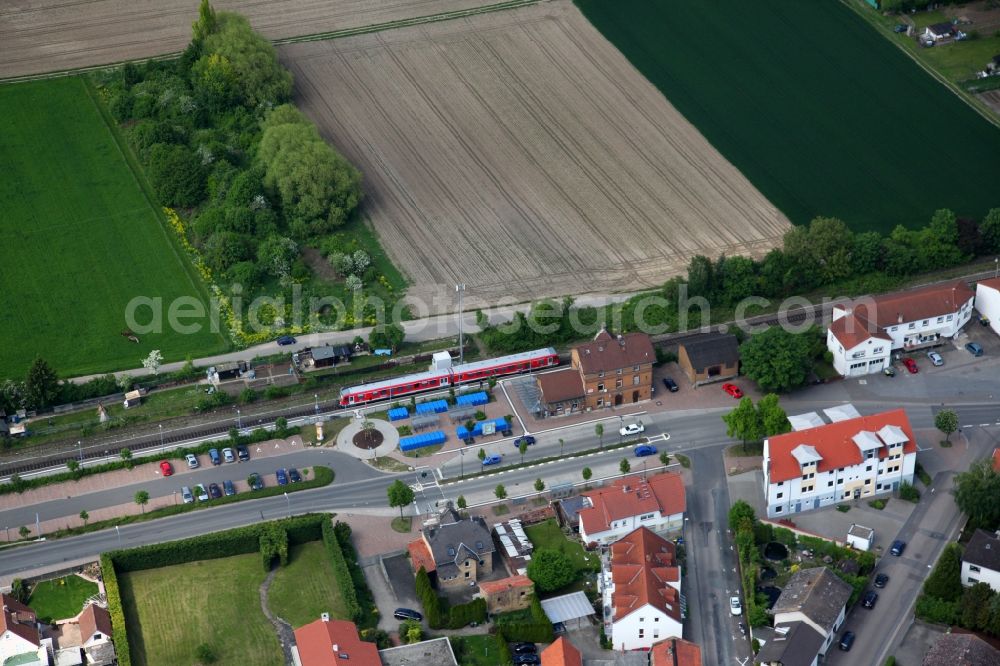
(401, 583)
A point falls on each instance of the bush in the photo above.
(932, 609)
(366, 602)
(550, 570)
(205, 654)
(531, 626)
(116, 610)
(176, 174)
(341, 571)
(429, 600)
(909, 493)
(465, 614)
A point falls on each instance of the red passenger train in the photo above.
(467, 372)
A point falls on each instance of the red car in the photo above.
(733, 390)
(166, 468)
(911, 365)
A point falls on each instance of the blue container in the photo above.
(433, 407)
(399, 413)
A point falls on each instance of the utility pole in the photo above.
(161, 434)
(79, 448)
(460, 288)
(38, 527)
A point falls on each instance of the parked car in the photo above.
(871, 596)
(166, 469)
(733, 390)
(527, 440)
(935, 358)
(186, 495)
(192, 461)
(282, 476)
(285, 340)
(492, 459)
(974, 348)
(294, 475)
(632, 429)
(201, 492)
(407, 614)
(228, 455)
(880, 580)
(889, 371)
(523, 648)
(670, 384)
(243, 453)
(735, 607)
(255, 481)
(899, 27)
(520, 659)
(228, 488)
(897, 548)
(214, 491)
(644, 450)
(846, 641)
(911, 365)
(213, 455)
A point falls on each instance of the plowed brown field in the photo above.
(520, 153)
(39, 36)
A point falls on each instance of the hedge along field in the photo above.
(820, 112)
(80, 239)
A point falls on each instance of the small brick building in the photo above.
(507, 594)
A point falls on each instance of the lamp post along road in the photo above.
(460, 288)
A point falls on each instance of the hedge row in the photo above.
(463, 615)
(273, 544)
(532, 626)
(366, 601)
(115, 609)
(429, 599)
(341, 572)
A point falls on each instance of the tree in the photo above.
(599, 431)
(561, 443)
(386, 336)
(989, 228)
(866, 257)
(276, 255)
(625, 466)
(461, 503)
(126, 456)
(974, 607)
(84, 516)
(73, 466)
(500, 491)
(664, 458)
(738, 276)
(539, 485)
(773, 419)
(153, 361)
(701, 277)
(587, 473)
(947, 422)
(177, 174)
(23, 531)
(945, 582)
(550, 570)
(744, 422)
(205, 654)
(142, 499)
(776, 359)
(481, 454)
(400, 495)
(206, 23)
(411, 631)
(41, 384)
(937, 244)
(976, 492)
(740, 514)
(262, 80)
(522, 449)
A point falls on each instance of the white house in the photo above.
(630, 502)
(807, 617)
(851, 459)
(641, 591)
(860, 537)
(20, 640)
(939, 31)
(988, 302)
(981, 560)
(863, 334)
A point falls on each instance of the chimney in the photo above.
(899, 317)
(325, 617)
(336, 647)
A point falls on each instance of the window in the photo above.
(973, 568)
(656, 619)
(868, 468)
(912, 326)
(840, 470)
(777, 509)
(600, 387)
(635, 368)
(635, 380)
(839, 481)
(600, 402)
(647, 516)
(641, 631)
(950, 317)
(619, 371)
(877, 350)
(656, 633)
(618, 383)
(466, 574)
(971, 580)
(940, 319)
(600, 374)
(642, 619)
(894, 328)
(779, 495)
(925, 322)
(781, 483)
(829, 484)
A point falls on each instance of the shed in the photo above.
(939, 31)
(709, 358)
(441, 361)
(568, 608)
(133, 398)
(860, 537)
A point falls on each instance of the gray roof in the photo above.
(817, 593)
(453, 542)
(327, 351)
(571, 506)
(798, 647)
(435, 651)
(961, 650)
(942, 28)
(983, 550)
(567, 607)
(712, 349)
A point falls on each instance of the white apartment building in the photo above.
(988, 301)
(657, 503)
(981, 560)
(850, 459)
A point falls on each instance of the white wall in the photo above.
(988, 304)
(988, 576)
(619, 528)
(656, 626)
(869, 357)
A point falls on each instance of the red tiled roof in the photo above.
(94, 619)
(992, 283)
(561, 653)
(494, 586)
(12, 616)
(561, 385)
(996, 460)
(420, 556)
(642, 565)
(833, 443)
(631, 496)
(675, 652)
(851, 331)
(607, 353)
(931, 301)
(317, 639)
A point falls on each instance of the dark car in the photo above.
(243, 453)
(493, 459)
(871, 596)
(527, 440)
(527, 659)
(214, 491)
(213, 455)
(899, 27)
(880, 580)
(644, 450)
(407, 614)
(282, 476)
(228, 488)
(670, 384)
(846, 641)
(294, 475)
(974, 348)
(255, 481)
(285, 340)
(897, 548)
(523, 648)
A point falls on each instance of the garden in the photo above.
(60, 598)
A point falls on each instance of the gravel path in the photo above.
(284, 630)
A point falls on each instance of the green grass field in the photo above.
(60, 598)
(81, 239)
(305, 588)
(820, 112)
(172, 610)
(548, 535)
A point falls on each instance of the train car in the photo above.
(394, 388)
(505, 365)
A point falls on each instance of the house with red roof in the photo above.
(658, 503)
(996, 460)
(327, 642)
(20, 640)
(561, 653)
(675, 652)
(988, 302)
(507, 594)
(850, 459)
(641, 584)
(864, 332)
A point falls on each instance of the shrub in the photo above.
(115, 609)
(205, 654)
(932, 609)
(429, 600)
(531, 626)
(341, 571)
(366, 602)
(909, 493)
(464, 614)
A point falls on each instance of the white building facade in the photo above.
(981, 560)
(988, 302)
(657, 503)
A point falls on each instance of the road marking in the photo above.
(984, 425)
(967, 426)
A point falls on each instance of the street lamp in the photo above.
(288, 503)
(239, 421)
(79, 448)
(119, 533)
(161, 434)
(461, 456)
(316, 398)
(996, 269)
(621, 427)
(460, 289)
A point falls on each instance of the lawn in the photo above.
(172, 610)
(60, 598)
(549, 535)
(81, 240)
(827, 119)
(476, 650)
(305, 588)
